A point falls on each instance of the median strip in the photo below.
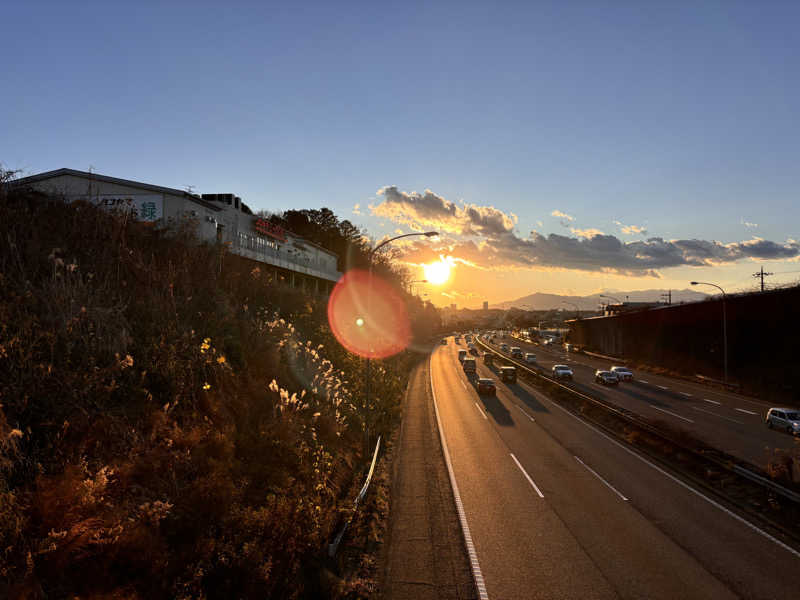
(528, 477)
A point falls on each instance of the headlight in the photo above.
(796, 425)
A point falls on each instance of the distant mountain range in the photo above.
(539, 301)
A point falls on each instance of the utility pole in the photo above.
(760, 275)
(668, 296)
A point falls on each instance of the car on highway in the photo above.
(469, 365)
(444, 342)
(468, 338)
(504, 347)
(624, 373)
(487, 386)
(787, 419)
(488, 358)
(516, 352)
(462, 354)
(606, 377)
(508, 374)
(562, 372)
(530, 358)
(457, 339)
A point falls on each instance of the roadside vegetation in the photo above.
(173, 422)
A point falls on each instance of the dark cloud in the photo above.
(490, 242)
(431, 211)
(598, 253)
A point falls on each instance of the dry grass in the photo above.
(173, 424)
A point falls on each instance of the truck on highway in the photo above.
(462, 354)
(469, 365)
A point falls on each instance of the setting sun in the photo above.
(437, 272)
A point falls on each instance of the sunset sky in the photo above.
(561, 149)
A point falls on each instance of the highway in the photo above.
(730, 422)
(556, 509)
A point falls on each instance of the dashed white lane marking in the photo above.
(483, 414)
(464, 384)
(712, 401)
(708, 412)
(528, 477)
(475, 566)
(643, 381)
(684, 485)
(747, 412)
(687, 394)
(672, 413)
(593, 472)
(524, 412)
(663, 387)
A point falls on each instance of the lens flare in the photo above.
(368, 316)
(437, 272)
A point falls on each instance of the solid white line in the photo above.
(712, 401)
(663, 387)
(483, 414)
(686, 486)
(748, 412)
(525, 413)
(687, 394)
(708, 412)
(477, 575)
(673, 414)
(528, 477)
(593, 472)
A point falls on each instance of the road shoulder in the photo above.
(425, 555)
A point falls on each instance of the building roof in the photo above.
(22, 181)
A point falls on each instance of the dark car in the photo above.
(488, 358)
(487, 386)
(606, 377)
(508, 374)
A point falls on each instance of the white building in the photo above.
(218, 218)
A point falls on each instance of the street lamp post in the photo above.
(369, 300)
(724, 325)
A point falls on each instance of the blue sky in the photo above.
(676, 117)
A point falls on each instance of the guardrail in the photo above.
(728, 465)
(334, 546)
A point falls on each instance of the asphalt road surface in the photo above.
(730, 422)
(556, 509)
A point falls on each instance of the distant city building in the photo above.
(218, 218)
(485, 305)
(453, 306)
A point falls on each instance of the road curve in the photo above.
(556, 509)
(727, 421)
